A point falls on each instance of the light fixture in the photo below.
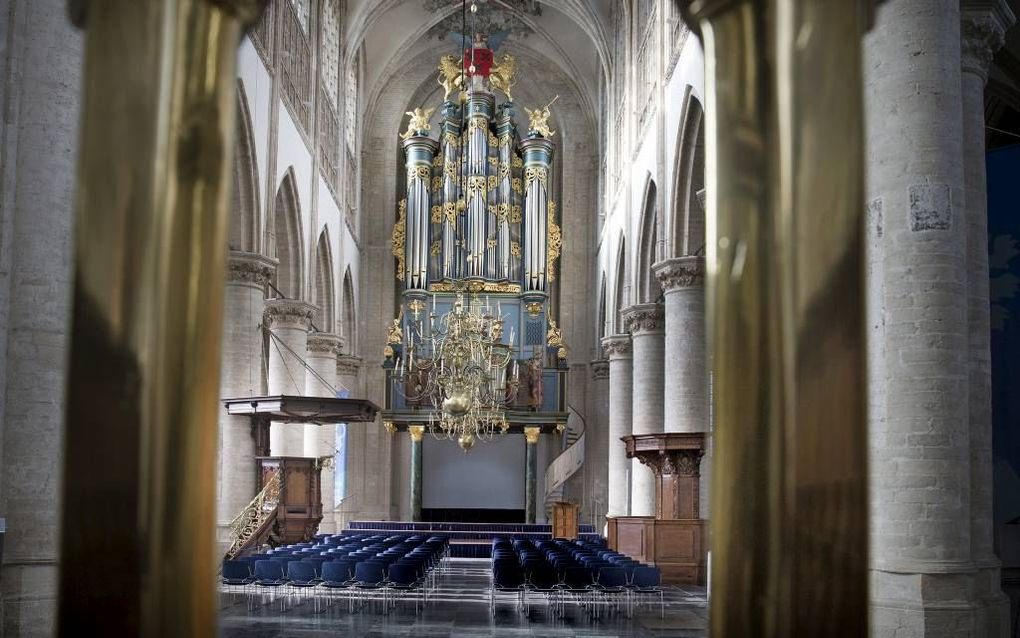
(460, 365)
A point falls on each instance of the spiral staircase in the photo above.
(569, 461)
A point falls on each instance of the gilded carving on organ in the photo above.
(399, 236)
(418, 124)
(450, 74)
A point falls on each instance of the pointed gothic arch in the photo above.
(620, 289)
(687, 216)
(243, 233)
(286, 240)
(601, 328)
(648, 245)
(324, 291)
(349, 314)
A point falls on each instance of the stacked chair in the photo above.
(363, 568)
(581, 572)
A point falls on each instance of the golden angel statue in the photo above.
(450, 75)
(419, 122)
(504, 74)
(395, 333)
(554, 338)
(539, 119)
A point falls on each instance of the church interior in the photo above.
(510, 317)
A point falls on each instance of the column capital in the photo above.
(325, 343)
(617, 346)
(348, 365)
(288, 313)
(680, 273)
(983, 26)
(599, 369)
(531, 434)
(645, 319)
(250, 269)
(417, 432)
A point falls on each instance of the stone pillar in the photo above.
(531, 435)
(417, 433)
(685, 394)
(618, 349)
(922, 569)
(41, 67)
(645, 323)
(241, 375)
(320, 440)
(983, 28)
(347, 376)
(288, 322)
(597, 441)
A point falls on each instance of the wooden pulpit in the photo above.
(299, 510)
(564, 520)
(674, 540)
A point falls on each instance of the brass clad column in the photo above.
(531, 435)
(138, 551)
(785, 316)
(417, 433)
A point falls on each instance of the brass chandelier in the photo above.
(459, 364)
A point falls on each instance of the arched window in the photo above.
(648, 287)
(688, 218)
(620, 292)
(325, 298)
(244, 208)
(286, 238)
(347, 327)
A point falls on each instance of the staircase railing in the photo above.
(255, 518)
(570, 460)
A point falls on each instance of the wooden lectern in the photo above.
(564, 519)
(300, 507)
(674, 540)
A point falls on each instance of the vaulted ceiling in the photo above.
(570, 35)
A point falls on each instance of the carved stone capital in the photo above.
(983, 25)
(287, 313)
(250, 269)
(348, 366)
(645, 318)
(325, 343)
(618, 347)
(599, 369)
(680, 273)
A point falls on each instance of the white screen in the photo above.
(490, 476)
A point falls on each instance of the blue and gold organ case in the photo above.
(477, 222)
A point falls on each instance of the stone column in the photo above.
(531, 435)
(922, 569)
(41, 66)
(685, 394)
(417, 433)
(240, 376)
(347, 376)
(597, 441)
(288, 322)
(618, 349)
(983, 28)
(320, 440)
(645, 323)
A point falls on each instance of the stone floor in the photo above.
(458, 607)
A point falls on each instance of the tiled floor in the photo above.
(460, 607)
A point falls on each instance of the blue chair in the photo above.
(403, 579)
(610, 585)
(302, 576)
(337, 576)
(646, 581)
(370, 575)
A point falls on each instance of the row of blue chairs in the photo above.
(395, 566)
(571, 571)
(513, 528)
